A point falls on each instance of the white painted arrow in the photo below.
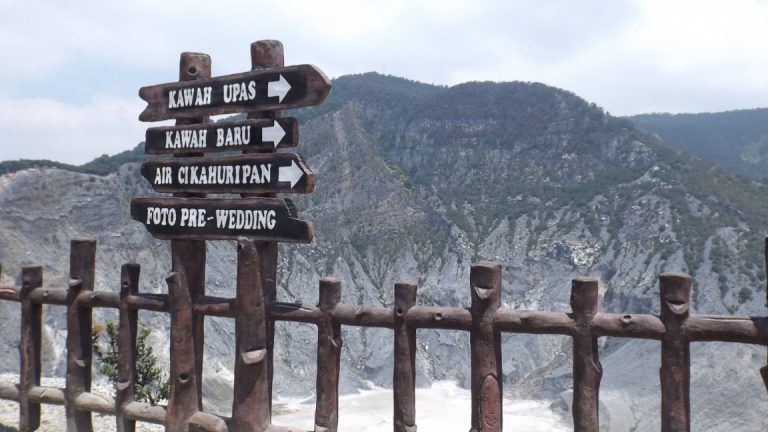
(273, 134)
(278, 88)
(290, 174)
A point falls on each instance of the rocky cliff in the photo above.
(414, 183)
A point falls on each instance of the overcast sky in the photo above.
(71, 69)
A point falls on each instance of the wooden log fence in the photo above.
(256, 312)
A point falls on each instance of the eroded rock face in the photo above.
(416, 186)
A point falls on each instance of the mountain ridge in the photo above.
(529, 176)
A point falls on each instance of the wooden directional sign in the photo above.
(269, 219)
(253, 173)
(262, 134)
(257, 90)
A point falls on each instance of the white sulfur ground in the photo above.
(442, 407)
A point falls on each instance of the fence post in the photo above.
(183, 401)
(29, 348)
(764, 369)
(404, 380)
(675, 373)
(251, 407)
(188, 256)
(328, 358)
(587, 371)
(82, 268)
(485, 346)
(126, 347)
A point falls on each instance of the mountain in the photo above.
(734, 140)
(102, 165)
(414, 183)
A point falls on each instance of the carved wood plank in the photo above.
(221, 219)
(256, 90)
(254, 173)
(258, 134)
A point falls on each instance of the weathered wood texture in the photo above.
(266, 56)
(485, 348)
(82, 270)
(587, 370)
(404, 375)
(126, 355)
(306, 85)
(328, 358)
(183, 403)
(483, 319)
(188, 255)
(257, 173)
(251, 406)
(261, 134)
(29, 348)
(675, 372)
(267, 219)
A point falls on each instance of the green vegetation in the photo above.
(150, 385)
(102, 165)
(734, 140)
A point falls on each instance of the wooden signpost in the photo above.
(275, 172)
(257, 90)
(257, 221)
(262, 135)
(270, 219)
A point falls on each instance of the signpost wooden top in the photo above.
(258, 174)
(257, 90)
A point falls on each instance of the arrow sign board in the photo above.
(263, 134)
(253, 173)
(257, 90)
(270, 219)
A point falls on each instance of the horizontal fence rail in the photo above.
(484, 320)
(698, 328)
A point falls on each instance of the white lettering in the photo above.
(161, 216)
(182, 175)
(219, 137)
(171, 98)
(221, 218)
(246, 134)
(246, 219)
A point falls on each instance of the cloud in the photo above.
(41, 128)
(629, 56)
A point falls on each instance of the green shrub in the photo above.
(150, 384)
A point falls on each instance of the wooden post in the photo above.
(404, 379)
(587, 371)
(485, 346)
(29, 348)
(183, 403)
(267, 54)
(328, 358)
(675, 373)
(126, 347)
(251, 408)
(254, 358)
(82, 268)
(188, 256)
